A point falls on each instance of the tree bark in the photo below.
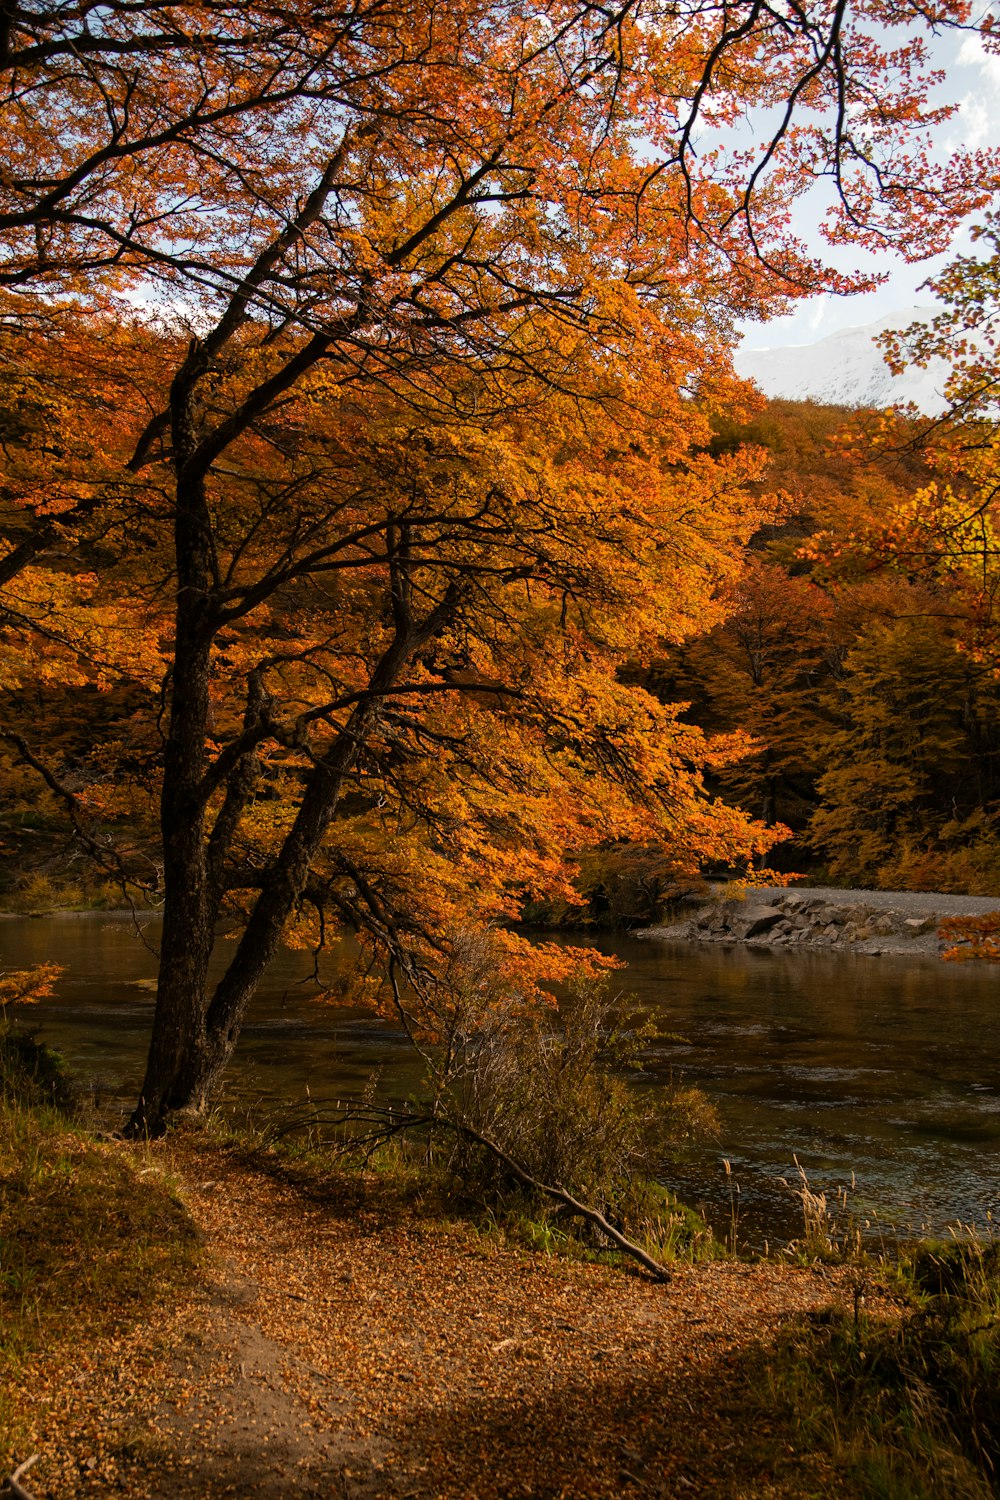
(194, 1037)
(188, 919)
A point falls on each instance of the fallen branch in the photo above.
(12, 1486)
(389, 1122)
(578, 1209)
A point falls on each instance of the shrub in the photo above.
(548, 1085)
(907, 1403)
(31, 1073)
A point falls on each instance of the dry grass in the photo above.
(905, 1400)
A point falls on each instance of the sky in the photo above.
(973, 83)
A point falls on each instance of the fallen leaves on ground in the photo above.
(339, 1345)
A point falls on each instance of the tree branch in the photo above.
(12, 1485)
(395, 1121)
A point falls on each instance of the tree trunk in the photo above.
(285, 884)
(193, 1039)
(189, 917)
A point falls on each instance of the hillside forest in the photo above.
(388, 545)
(847, 693)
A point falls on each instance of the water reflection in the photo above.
(885, 1068)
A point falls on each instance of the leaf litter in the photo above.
(338, 1344)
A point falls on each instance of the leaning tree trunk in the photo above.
(188, 920)
(194, 1037)
(285, 884)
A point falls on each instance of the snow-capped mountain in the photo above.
(847, 369)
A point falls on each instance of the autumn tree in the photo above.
(764, 669)
(855, 656)
(910, 783)
(940, 541)
(419, 657)
(444, 297)
(774, 664)
(947, 531)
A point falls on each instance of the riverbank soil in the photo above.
(338, 1341)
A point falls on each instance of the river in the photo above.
(881, 1070)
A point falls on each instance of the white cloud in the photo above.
(972, 54)
(975, 125)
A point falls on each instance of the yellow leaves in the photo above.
(58, 631)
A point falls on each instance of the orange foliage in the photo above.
(27, 986)
(972, 938)
(386, 341)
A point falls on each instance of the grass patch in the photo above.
(906, 1402)
(90, 1243)
(658, 1222)
(423, 1177)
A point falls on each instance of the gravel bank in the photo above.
(859, 921)
(910, 903)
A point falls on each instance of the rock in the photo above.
(791, 919)
(755, 920)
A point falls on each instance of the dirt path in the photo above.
(344, 1348)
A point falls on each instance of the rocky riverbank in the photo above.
(874, 922)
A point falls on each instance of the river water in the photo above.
(884, 1070)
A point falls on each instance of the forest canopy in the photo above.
(358, 374)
